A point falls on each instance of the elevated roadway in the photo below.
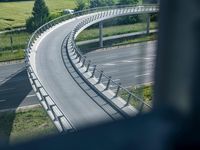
(122, 63)
(81, 108)
(80, 105)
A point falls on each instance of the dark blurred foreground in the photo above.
(175, 119)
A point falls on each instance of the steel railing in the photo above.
(60, 120)
(138, 102)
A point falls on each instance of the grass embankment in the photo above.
(144, 92)
(89, 34)
(14, 14)
(116, 30)
(118, 42)
(14, 51)
(12, 48)
(11, 55)
(25, 125)
(15, 40)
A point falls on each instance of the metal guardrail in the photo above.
(60, 120)
(139, 103)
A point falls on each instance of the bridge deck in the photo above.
(80, 109)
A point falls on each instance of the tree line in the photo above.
(41, 15)
(86, 4)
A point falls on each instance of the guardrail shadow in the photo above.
(12, 93)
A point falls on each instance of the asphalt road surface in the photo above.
(15, 89)
(131, 65)
(82, 110)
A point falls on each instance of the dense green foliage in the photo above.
(132, 18)
(40, 16)
(81, 5)
(128, 2)
(101, 3)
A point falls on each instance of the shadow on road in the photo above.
(12, 93)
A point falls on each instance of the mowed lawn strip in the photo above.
(25, 125)
(89, 34)
(144, 92)
(14, 14)
(11, 55)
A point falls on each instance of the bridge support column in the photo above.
(148, 23)
(101, 34)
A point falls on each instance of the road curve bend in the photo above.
(56, 86)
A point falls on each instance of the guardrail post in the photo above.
(54, 114)
(108, 84)
(79, 59)
(84, 59)
(101, 34)
(88, 66)
(148, 23)
(141, 107)
(59, 120)
(77, 55)
(100, 77)
(93, 72)
(129, 98)
(118, 88)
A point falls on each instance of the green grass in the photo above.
(144, 92)
(9, 55)
(114, 30)
(126, 41)
(19, 40)
(118, 42)
(25, 125)
(14, 14)
(14, 51)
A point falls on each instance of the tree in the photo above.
(81, 5)
(101, 3)
(129, 19)
(39, 16)
(128, 2)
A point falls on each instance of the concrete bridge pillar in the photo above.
(148, 23)
(101, 34)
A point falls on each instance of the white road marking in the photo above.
(113, 85)
(112, 71)
(31, 96)
(2, 100)
(127, 61)
(115, 80)
(108, 64)
(146, 74)
(143, 84)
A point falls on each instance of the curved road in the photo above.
(112, 61)
(77, 101)
(81, 109)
